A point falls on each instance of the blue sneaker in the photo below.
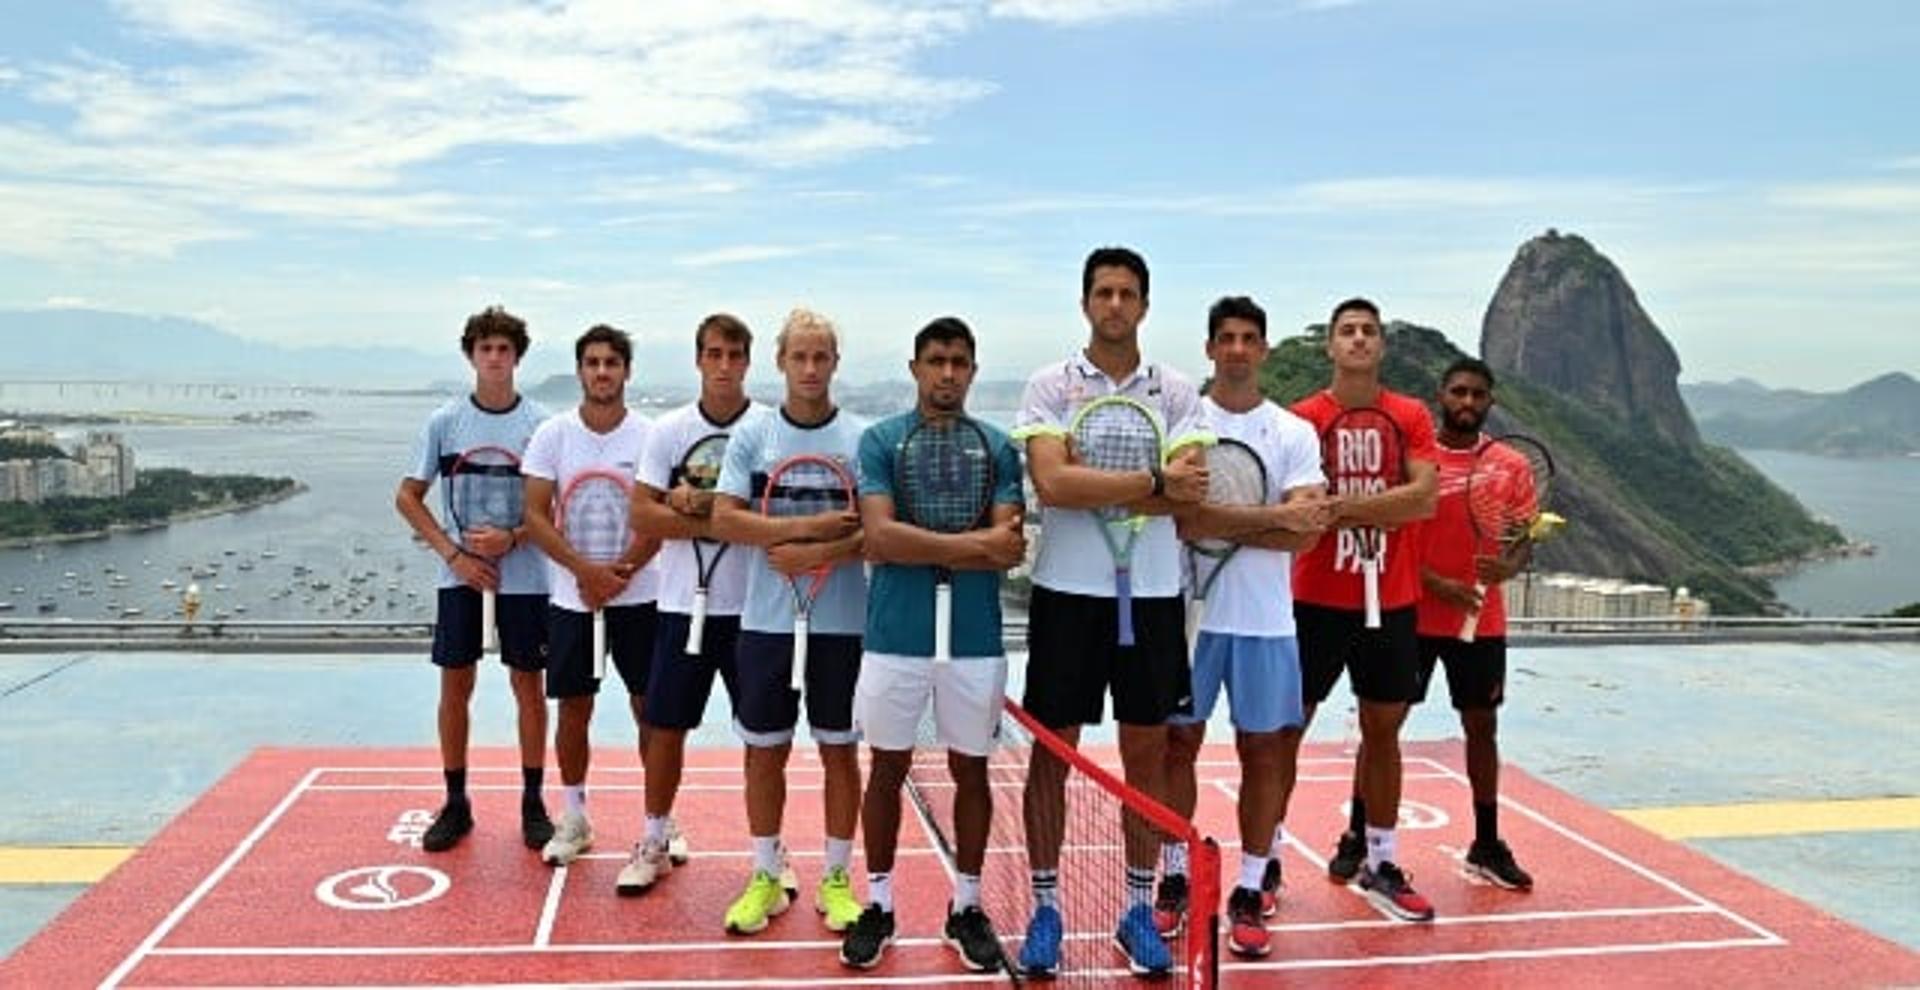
(1040, 953)
(1139, 939)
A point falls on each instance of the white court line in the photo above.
(1441, 958)
(207, 884)
(1497, 919)
(550, 908)
(586, 948)
(940, 979)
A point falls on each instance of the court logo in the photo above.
(382, 888)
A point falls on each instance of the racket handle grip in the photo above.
(599, 645)
(1123, 604)
(942, 622)
(1472, 624)
(1196, 610)
(1370, 584)
(489, 621)
(697, 622)
(800, 624)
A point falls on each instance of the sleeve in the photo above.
(736, 472)
(1300, 456)
(1186, 417)
(1043, 407)
(655, 469)
(875, 463)
(426, 450)
(543, 453)
(1417, 423)
(1007, 489)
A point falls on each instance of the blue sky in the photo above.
(363, 172)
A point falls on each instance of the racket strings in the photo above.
(1117, 437)
(806, 490)
(485, 488)
(595, 519)
(701, 466)
(945, 479)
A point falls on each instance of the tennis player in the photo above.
(1450, 568)
(493, 414)
(1246, 637)
(1074, 656)
(766, 708)
(668, 506)
(1328, 607)
(898, 678)
(600, 434)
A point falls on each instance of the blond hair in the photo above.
(804, 320)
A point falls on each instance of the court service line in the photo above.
(550, 907)
(931, 979)
(548, 949)
(1497, 919)
(192, 900)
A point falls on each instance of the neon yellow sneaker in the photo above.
(764, 898)
(835, 902)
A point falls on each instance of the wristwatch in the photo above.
(1159, 480)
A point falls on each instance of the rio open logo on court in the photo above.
(382, 888)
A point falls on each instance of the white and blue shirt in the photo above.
(463, 424)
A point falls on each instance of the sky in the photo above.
(365, 172)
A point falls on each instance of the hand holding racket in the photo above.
(1118, 434)
(593, 516)
(809, 485)
(1235, 476)
(1506, 503)
(943, 476)
(1362, 453)
(485, 500)
(700, 471)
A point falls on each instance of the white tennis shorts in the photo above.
(890, 701)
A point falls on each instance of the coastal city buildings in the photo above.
(101, 466)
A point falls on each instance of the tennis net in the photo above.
(1093, 824)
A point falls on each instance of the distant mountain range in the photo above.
(1875, 418)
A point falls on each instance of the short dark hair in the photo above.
(495, 321)
(730, 328)
(1470, 366)
(944, 330)
(1113, 257)
(1357, 302)
(601, 333)
(1236, 308)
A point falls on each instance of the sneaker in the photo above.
(1247, 933)
(536, 829)
(764, 898)
(1170, 906)
(1270, 889)
(573, 837)
(650, 862)
(1040, 952)
(868, 939)
(1348, 857)
(1392, 891)
(972, 935)
(1493, 862)
(678, 848)
(1139, 940)
(451, 825)
(835, 900)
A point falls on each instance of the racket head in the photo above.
(700, 466)
(1363, 452)
(1116, 433)
(593, 513)
(1235, 476)
(484, 488)
(943, 475)
(807, 485)
(1507, 488)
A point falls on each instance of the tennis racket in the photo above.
(485, 491)
(1235, 476)
(593, 516)
(806, 485)
(700, 468)
(1363, 453)
(943, 476)
(1115, 433)
(1506, 499)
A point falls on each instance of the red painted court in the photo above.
(301, 868)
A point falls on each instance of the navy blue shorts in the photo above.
(1384, 662)
(570, 649)
(766, 709)
(1476, 671)
(522, 621)
(679, 684)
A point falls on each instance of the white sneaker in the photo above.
(573, 837)
(678, 848)
(650, 862)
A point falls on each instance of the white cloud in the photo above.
(1072, 12)
(747, 253)
(69, 302)
(1870, 197)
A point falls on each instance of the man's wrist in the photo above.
(1159, 480)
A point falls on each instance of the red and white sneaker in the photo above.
(1247, 933)
(1392, 891)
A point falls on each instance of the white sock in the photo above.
(657, 829)
(1380, 846)
(1173, 858)
(1046, 887)
(1139, 887)
(839, 853)
(766, 854)
(966, 892)
(576, 795)
(1279, 841)
(1253, 869)
(880, 891)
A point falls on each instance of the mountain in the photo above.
(1875, 418)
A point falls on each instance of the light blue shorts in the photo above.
(1261, 675)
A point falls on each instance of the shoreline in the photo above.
(188, 515)
(1783, 568)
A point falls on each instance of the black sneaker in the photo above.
(1247, 933)
(1393, 892)
(868, 939)
(1347, 858)
(972, 935)
(536, 829)
(1170, 906)
(1270, 889)
(1493, 862)
(451, 825)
